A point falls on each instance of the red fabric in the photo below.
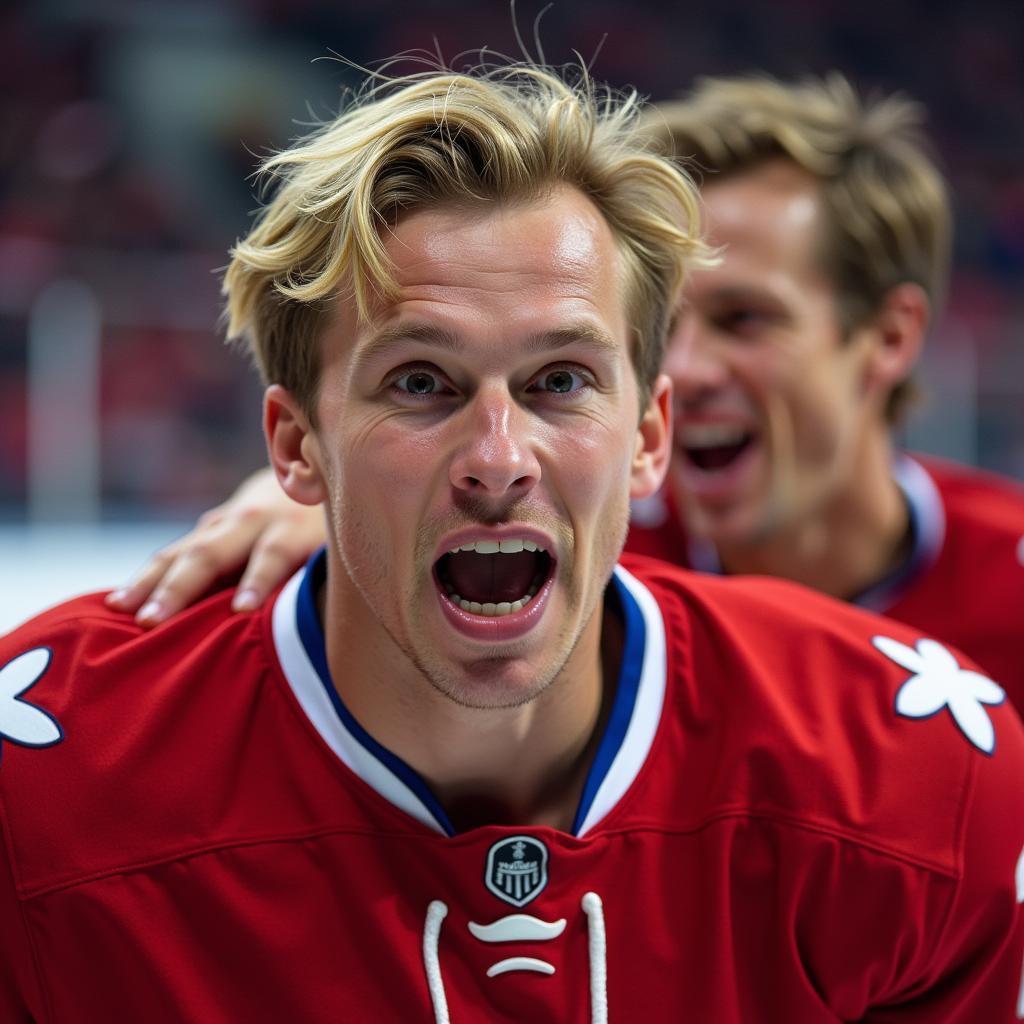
(972, 596)
(792, 851)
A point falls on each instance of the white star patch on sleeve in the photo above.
(939, 682)
(21, 722)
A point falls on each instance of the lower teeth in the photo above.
(494, 610)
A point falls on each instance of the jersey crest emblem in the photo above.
(517, 869)
(939, 682)
(21, 722)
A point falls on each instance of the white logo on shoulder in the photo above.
(939, 682)
(21, 722)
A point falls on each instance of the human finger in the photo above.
(200, 558)
(130, 596)
(277, 553)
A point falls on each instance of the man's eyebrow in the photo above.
(744, 293)
(439, 337)
(572, 334)
(427, 334)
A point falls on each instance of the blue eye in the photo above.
(418, 382)
(560, 382)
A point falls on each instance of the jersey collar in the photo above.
(622, 751)
(927, 533)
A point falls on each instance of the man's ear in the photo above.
(653, 441)
(898, 331)
(293, 448)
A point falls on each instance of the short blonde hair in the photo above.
(886, 205)
(492, 135)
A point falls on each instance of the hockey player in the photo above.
(464, 766)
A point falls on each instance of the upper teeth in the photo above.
(711, 435)
(494, 547)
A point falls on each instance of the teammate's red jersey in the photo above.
(797, 813)
(964, 579)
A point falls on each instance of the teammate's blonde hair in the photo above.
(493, 135)
(886, 207)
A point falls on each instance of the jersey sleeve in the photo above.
(918, 919)
(17, 974)
(888, 938)
(27, 725)
(974, 972)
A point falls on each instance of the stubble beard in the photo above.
(480, 692)
(480, 685)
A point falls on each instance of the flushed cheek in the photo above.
(590, 471)
(817, 420)
(379, 493)
(590, 452)
(392, 445)
(393, 475)
(364, 543)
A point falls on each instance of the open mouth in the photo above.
(494, 578)
(712, 448)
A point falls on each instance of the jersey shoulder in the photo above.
(83, 623)
(977, 499)
(81, 659)
(47, 659)
(115, 741)
(807, 709)
(765, 607)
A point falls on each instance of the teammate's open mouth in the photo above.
(493, 578)
(710, 448)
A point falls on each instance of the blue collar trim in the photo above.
(311, 636)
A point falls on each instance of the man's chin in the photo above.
(491, 683)
(721, 523)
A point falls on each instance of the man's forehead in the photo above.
(766, 221)
(547, 269)
(778, 195)
(557, 245)
(559, 231)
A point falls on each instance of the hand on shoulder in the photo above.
(258, 527)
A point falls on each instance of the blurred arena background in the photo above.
(129, 130)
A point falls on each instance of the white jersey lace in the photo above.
(596, 948)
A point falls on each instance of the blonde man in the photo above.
(465, 766)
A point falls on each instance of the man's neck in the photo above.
(531, 765)
(523, 765)
(858, 538)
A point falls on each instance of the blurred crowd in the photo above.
(130, 129)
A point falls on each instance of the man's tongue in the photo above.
(494, 578)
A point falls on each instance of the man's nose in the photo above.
(694, 359)
(496, 453)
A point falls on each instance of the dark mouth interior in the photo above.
(719, 456)
(492, 578)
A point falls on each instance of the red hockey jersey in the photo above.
(964, 579)
(797, 813)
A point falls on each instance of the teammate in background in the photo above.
(463, 766)
(791, 362)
